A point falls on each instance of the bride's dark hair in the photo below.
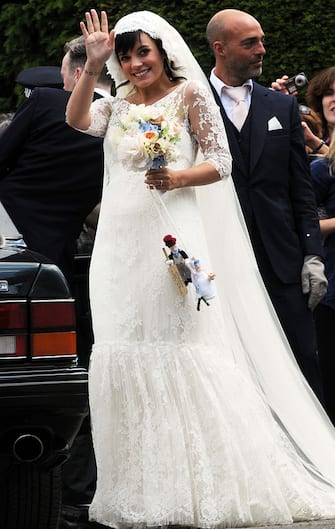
(126, 41)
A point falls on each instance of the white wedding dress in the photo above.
(184, 433)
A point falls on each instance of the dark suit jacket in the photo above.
(50, 175)
(275, 188)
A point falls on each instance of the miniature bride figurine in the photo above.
(202, 281)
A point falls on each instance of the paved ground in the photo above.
(324, 524)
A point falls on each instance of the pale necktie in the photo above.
(240, 110)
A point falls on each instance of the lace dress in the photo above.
(182, 436)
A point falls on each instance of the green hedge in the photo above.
(299, 35)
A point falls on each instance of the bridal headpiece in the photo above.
(174, 45)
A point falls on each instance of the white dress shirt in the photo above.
(227, 102)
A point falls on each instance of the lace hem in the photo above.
(173, 447)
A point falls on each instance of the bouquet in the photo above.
(147, 138)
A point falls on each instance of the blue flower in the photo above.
(144, 126)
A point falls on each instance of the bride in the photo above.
(200, 417)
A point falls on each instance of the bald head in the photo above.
(226, 22)
(236, 39)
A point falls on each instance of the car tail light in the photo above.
(54, 344)
(13, 329)
(53, 328)
(13, 346)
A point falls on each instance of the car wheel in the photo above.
(31, 497)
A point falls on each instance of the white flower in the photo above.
(144, 134)
(131, 152)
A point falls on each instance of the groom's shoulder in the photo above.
(273, 95)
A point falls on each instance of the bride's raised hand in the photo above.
(98, 40)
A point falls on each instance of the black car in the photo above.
(43, 392)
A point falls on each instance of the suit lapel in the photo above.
(260, 113)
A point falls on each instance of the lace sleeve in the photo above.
(100, 113)
(208, 128)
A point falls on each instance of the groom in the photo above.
(271, 176)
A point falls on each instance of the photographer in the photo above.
(311, 120)
(320, 96)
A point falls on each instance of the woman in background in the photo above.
(323, 173)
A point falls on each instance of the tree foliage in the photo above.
(299, 34)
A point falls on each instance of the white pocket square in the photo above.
(274, 124)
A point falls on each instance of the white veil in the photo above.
(157, 28)
(259, 344)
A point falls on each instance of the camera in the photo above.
(293, 84)
(304, 110)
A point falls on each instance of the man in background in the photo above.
(50, 181)
(50, 174)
